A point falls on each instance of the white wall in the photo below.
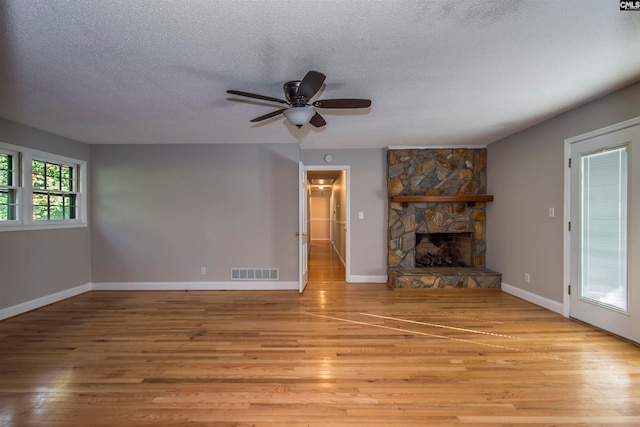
(35, 264)
(339, 216)
(161, 212)
(319, 209)
(525, 173)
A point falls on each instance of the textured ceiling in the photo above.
(441, 72)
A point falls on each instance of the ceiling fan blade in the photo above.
(256, 96)
(311, 84)
(343, 103)
(317, 121)
(268, 115)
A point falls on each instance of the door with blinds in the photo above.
(605, 231)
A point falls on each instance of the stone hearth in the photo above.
(437, 172)
(443, 277)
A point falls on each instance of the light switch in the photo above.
(361, 215)
(552, 212)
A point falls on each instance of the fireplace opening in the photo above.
(444, 250)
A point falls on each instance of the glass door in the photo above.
(603, 228)
(604, 203)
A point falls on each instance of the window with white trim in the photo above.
(9, 185)
(54, 196)
(40, 190)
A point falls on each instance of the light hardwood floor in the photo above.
(340, 354)
(325, 265)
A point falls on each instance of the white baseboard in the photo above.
(338, 254)
(17, 309)
(167, 286)
(547, 303)
(366, 279)
(256, 285)
(24, 307)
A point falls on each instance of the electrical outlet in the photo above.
(203, 271)
(527, 277)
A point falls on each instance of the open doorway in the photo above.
(328, 221)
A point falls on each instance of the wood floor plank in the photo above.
(338, 355)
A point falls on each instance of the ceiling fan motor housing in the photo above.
(291, 93)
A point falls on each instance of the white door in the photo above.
(303, 240)
(605, 231)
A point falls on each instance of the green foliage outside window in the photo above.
(52, 176)
(5, 170)
(52, 184)
(7, 207)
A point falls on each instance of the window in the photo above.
(53, 191)
(8, 185)
(603, 234)
(40, 190)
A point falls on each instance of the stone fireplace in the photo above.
(436, 235)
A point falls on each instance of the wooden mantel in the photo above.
(442, 199)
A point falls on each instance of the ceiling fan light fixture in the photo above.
(299, 116)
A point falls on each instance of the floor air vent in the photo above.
(254, 274)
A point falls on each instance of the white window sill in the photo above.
(23, 227)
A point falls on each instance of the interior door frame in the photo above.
(303, 228)
(347, 170)
(566, 300)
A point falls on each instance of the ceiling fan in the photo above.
(298, 94)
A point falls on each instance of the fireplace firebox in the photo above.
(444, 250)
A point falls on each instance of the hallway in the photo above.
(324, 264)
